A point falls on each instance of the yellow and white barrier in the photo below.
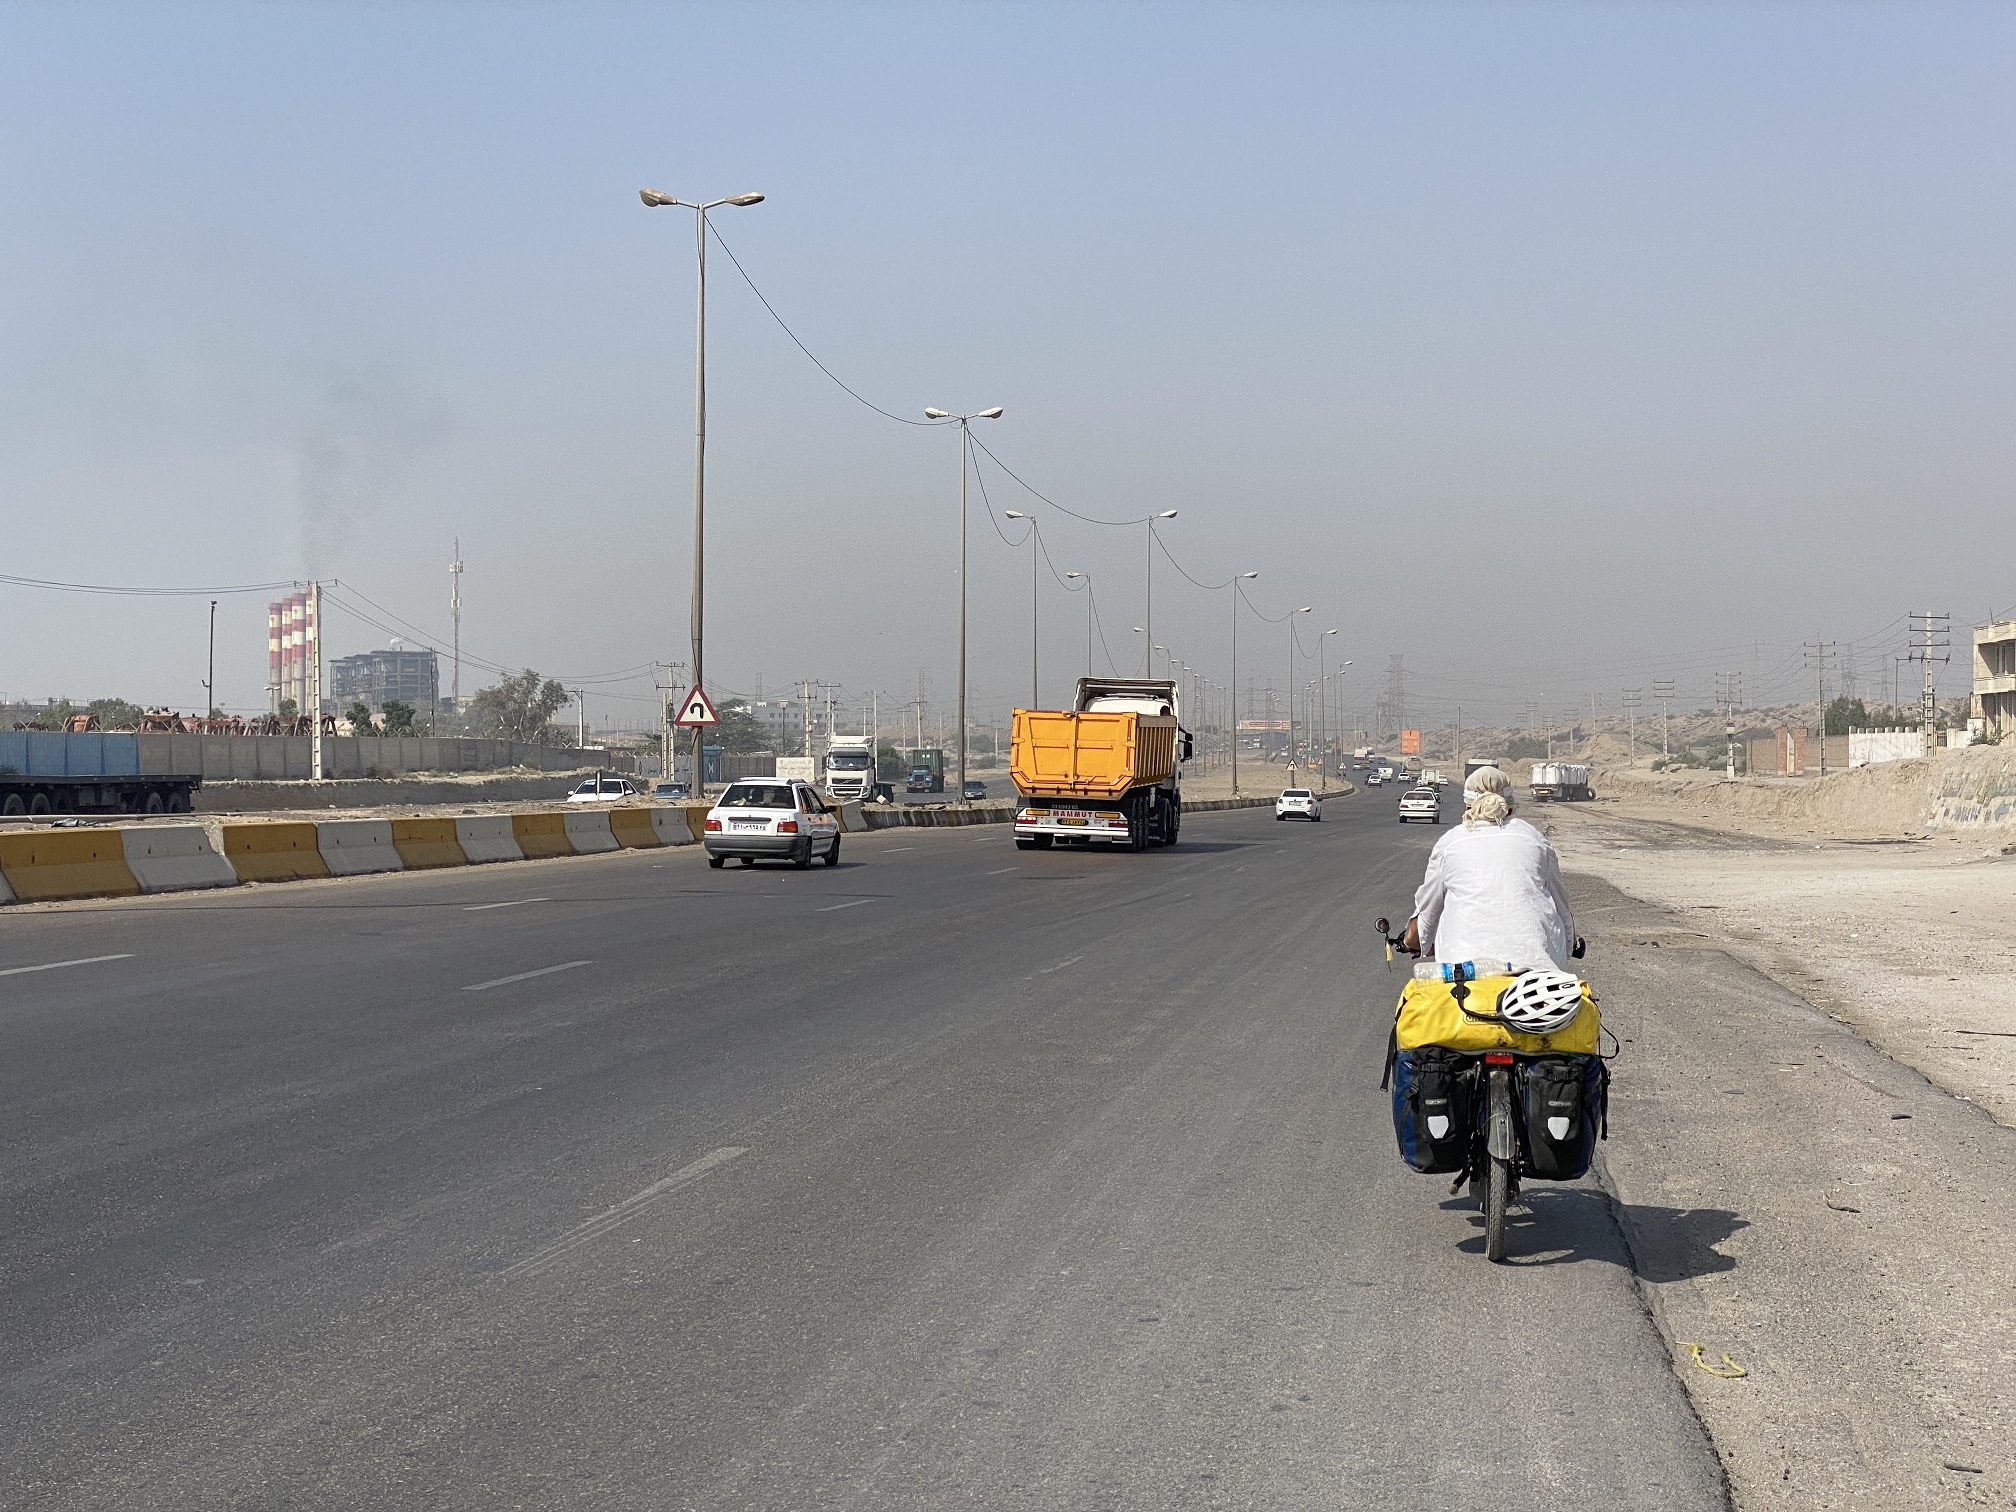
(541, 835)
(175, 858)
(589, 832)
(632, 828)
(273, 852)
(41, 865)
(424, 844)
(355, 847)
(487, 837)
(45, 863)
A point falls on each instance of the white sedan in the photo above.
(1421, 803)
(604, 790)
(1299, 802)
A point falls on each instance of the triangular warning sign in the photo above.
(696, 711)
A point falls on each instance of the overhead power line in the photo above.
(28, 582)
(838, 381)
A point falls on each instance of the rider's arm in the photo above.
(1557, 891)
(1428, 900)
(1410, 937)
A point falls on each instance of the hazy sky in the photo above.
(1557, 348)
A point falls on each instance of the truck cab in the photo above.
(927, 771)
(849, 771)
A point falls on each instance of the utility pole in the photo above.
(313, 636)
(581, 716)
(1632, 698)
(805, 715)
(1458, 761)
(455, 618)
(1820, 651)
(1935, 634)
(210, 687)
(1662, 689)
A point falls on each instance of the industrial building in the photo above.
(1995, 679)
(372, 677)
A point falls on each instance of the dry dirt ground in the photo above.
(1912, 942)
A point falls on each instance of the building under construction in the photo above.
(372, 677)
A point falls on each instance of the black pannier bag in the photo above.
(1433, 1119)
(1563, 1109)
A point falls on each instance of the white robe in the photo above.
(1494, 893)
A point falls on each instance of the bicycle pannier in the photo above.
(1432, 1117)
(1563, 1100)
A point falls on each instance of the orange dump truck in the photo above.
(1108, 772)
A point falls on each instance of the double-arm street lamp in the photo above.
(1148, 615)
(965, 465)
(1232, 693)
(658, 199)
(1288, 690)
(1088, 617)
(1035, 546)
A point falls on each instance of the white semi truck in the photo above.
(850, 771)
(1563, 781)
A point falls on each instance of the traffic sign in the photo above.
(696, 711)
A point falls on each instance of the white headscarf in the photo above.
(1487, 797)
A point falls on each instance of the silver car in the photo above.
(772, 818)
(1421, 803)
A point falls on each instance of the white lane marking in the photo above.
(1001, 873)
(830, 907)
(514, 903)
(525, 976)
(1067, 961)
(629, 1208)
(895, 848)
(59, 965)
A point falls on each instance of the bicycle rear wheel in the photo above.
(1496, 1197)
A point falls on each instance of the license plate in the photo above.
(1080, 822)
(747, 824)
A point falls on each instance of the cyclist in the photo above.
(1493, 892)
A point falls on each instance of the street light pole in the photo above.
(656, 199)
(1232, 693)
(1088, 617)
(1322, 712)
(1034, 547)
(965, 455)
(1148, 615)
(1288, 688)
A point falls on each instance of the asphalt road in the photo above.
(956, 1177)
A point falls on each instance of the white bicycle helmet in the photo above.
(1540, 1001)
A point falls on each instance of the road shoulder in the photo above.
(1810, 1212)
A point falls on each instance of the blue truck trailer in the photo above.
(54, 772)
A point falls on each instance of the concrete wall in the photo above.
(379, 792)
(285, 758)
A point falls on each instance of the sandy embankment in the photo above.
(1884, 896)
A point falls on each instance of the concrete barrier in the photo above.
(487, 837)
(633, 829)
(850, 817)
(175, 857)
(672, 826)
(696, 820)
(355, 847)
(540, 836)
(424, 844)
(589, 832)
(41, 865)
(281, 852)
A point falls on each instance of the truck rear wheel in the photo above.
(12, 805)
(39, 804)
(153, 803)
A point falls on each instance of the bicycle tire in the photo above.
(1497, 1197)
